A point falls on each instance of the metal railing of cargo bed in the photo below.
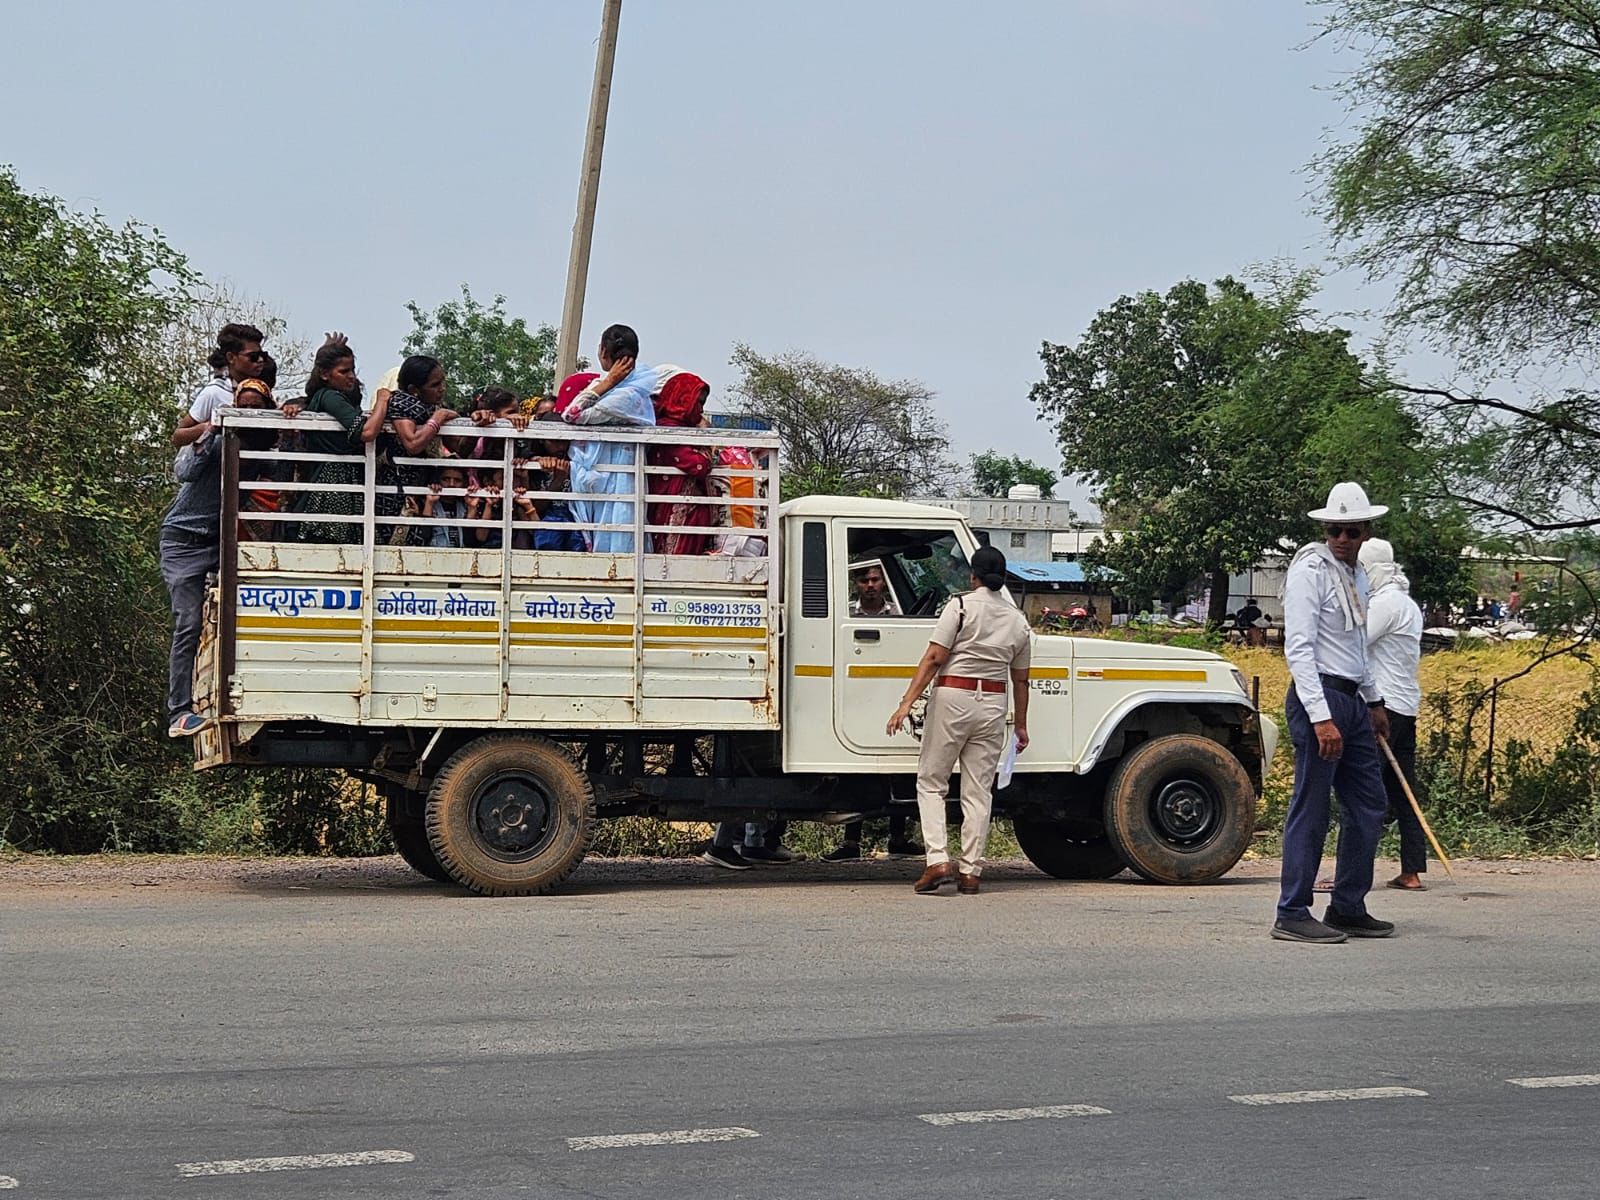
(756, 542)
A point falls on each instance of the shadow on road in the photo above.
(612, 876)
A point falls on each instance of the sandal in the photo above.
(1406, 887)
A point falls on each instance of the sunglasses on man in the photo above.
(1353, 532)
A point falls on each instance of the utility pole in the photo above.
(588, 194)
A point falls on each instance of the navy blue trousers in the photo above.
(1357, 775)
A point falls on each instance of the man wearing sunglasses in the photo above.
(1335, 714)
(237, 356)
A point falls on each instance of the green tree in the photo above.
(844, 430)
(103, 330)
(86, 403)
(996, 474)
(1470, 182)
(1207, 420)
(481, 346)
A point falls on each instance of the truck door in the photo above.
(890, 584)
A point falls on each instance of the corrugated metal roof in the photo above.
(1046, 572)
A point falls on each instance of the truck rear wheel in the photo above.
(510, 815)
(1180, 809)
(1058, 849)
(410, 833)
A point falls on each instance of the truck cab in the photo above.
(506, 700)
(1183, 810)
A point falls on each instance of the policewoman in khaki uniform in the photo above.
(980, 640)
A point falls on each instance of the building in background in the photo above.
(1041, 540)
(1262, 582)
(1072, 544)
(1021, 526)
(1061, 587)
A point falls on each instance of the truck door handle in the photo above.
(867, 635)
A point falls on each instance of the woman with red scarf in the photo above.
(681, 401)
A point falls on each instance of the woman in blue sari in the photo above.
(620, 397)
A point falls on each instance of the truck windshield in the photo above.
(922, 567)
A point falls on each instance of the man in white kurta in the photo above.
(1394, 645)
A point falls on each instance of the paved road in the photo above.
(786, 1035)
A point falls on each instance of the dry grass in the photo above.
(1562, 680)
(1537, 709)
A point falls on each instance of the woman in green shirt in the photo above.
(333, 388)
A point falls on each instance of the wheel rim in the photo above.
(1186, 813)
(513, 818)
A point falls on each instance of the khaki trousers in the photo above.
(969, 727)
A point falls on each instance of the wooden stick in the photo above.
(1415, 807)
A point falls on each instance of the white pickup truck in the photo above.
(504, 700)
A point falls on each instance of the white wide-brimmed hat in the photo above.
(1348, 502)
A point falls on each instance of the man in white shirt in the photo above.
(1335, 714)
(1394, 644)
(237, 355)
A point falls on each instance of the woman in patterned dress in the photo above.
(333, 388)
(415, 414)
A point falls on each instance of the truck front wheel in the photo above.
(1057, 849)
(510, 815)
(1180, 809)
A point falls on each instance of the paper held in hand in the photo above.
(1008, 764)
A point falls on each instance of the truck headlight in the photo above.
(1238, 678)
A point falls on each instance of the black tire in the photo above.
(410, 834)
(1057, 849)
(1180, 809)
(510, 815)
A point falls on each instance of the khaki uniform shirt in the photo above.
(994, 637)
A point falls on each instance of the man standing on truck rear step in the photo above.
(191, 527)
(978, 641)
(1335, 713)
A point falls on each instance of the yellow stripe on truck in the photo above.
(1144, 674)
(299, 623)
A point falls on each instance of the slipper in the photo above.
(1406, 887)
(1323, 885)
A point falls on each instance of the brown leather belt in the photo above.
(970, 684)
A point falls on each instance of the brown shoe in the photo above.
(967, 885)
(934, 878)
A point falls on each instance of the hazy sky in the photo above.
(925, 190)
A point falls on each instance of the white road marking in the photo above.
(293, 1162)
(1550, 1081)
(7, 1183)
(672, 1137)
(1314, 1097)
(983, 1115)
